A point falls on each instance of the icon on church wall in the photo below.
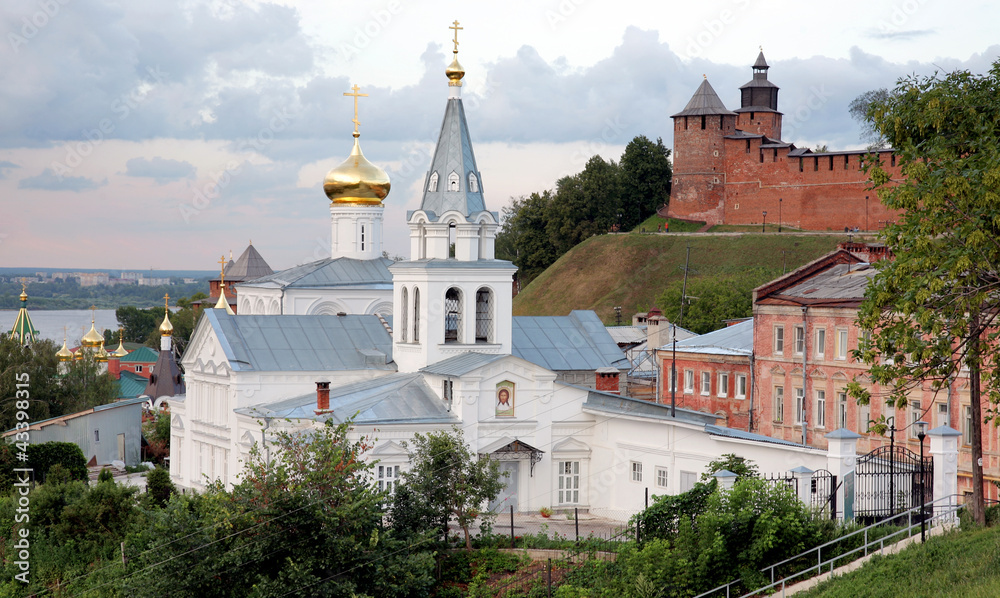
(505, 399)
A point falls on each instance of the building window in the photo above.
(636, 471)
(453, 182)
(841, 343)
(362, 237)
(779, 340)
(779, 404)
(942, 415)
(800, 340)
(702, 121)
(915, 412)
(706, 383)
(672, 382)
(723, 384)
(448, 390)
(820, 408)
(864, 418)
(967, 425)
(820, 347)
(388, 476)
(416, 315)
(473, 183)
(569, 482)
(800, 406)
(97, 435)
(662, 479)
(484, 316)
(432, 183)
(841, 409)
(452, 315)
(138, 369)
(688, 480)
(689, 381)
(404, 312)
(741, 386)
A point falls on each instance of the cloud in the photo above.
(904, 35)
(48, 180)
(5, 166)
(161, 170)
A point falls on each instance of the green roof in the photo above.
(130, 385)
(23, 330)
(141, 355)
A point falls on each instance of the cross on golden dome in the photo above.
(356, 95)
(457, 29)
(222, 269)
(166, 301)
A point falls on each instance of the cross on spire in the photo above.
(457, 29)
(356, 95)
(222, 269)
(166, 301)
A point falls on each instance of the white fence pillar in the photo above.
(726, 479)
(944, 450)
(842, 457)
(803, 480)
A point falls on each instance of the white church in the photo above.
(430, 344)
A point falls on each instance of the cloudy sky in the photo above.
(140, 133)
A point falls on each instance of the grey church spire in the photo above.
(453, 181)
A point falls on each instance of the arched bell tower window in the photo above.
(453, 182)
(432, 183)
(473, 182)
(416, 315)
(484, 315)
(452, 315)
(404, 312)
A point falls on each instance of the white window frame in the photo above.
(967, 424)
(864, 417)
(842, 409)
(568, 482)
(672, 378)
(636, 468)
(723, 388)
(706, 383)
(689, 381)
(740, 392)
(799, 340)
(943, 411)
(820, 409)
(842, 340)
(800, 405)
(662, 477)
(914, 418)
(819, 347)
(688, 480)
(778, 345)
(779, 404)
(387, 478)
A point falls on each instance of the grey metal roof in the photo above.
(329, 272)
(841, 281)
(453, 154)
(579, 341)
(731, 340)
(302, 343)
(741, 435)
(248, 266)
(627, 334)
(616, 405)
(459, 365)
(760, 63)
(704, 101)
(394, 398)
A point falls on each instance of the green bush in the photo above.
(159, 487)
(46, 454)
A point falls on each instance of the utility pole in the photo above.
(680, 318)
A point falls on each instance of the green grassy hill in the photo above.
(960, 564)
(631, 270)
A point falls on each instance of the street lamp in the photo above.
(892, 464)
(779, 214)
(921, 432)
(764, 223)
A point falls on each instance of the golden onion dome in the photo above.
(455, 72)
(102, 355)
(121, 351)
(64, 354)
(166, 328)
(92, 339)
(356, 180)
(24, 295)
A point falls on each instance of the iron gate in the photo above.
(824, 492)
(891, 480)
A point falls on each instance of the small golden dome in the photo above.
(24, 296)
(93, 338)
(102, 355)
(356, 180)
(64, 354)
(166, 328)
(121, 351)
(455, 72)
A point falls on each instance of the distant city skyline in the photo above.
(160, 135)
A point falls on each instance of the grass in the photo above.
(655, 223)
(965, 564)
(631, 270)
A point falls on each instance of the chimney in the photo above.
(606, 380)
(322, 397)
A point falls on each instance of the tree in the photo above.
(454, 481)
(932, 309)
(646, 175)
(523, 239)
(711, 300)
(858, 109)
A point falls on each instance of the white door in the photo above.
(507, 496)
